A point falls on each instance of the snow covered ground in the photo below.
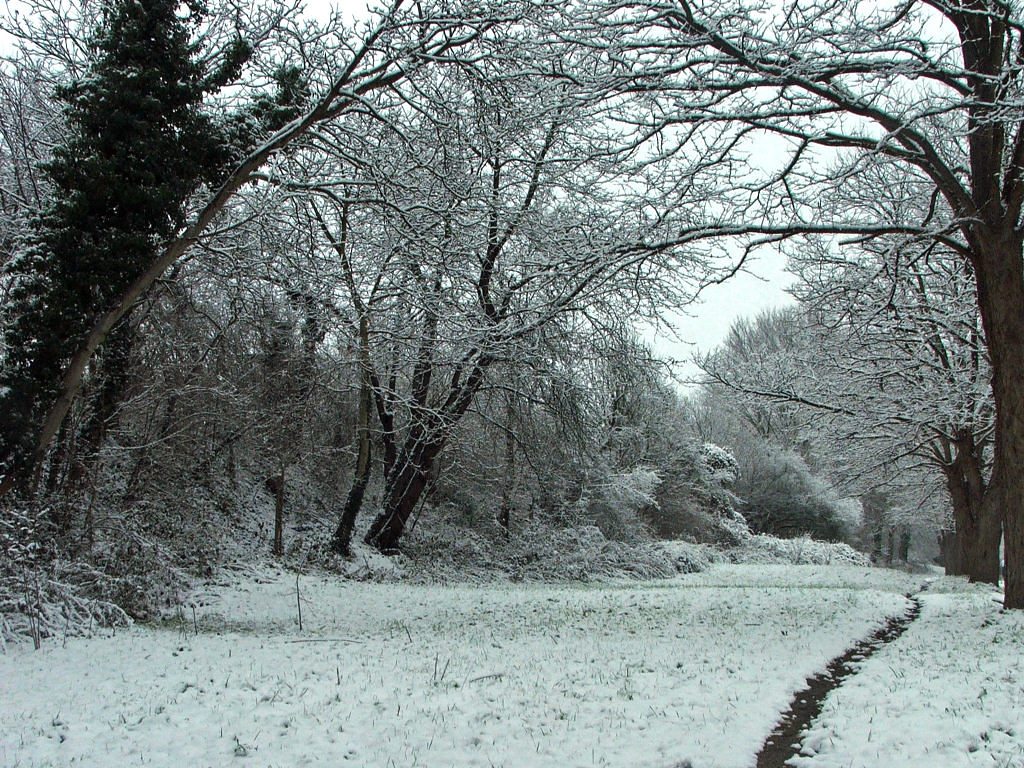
(949, 692)
(637, 674)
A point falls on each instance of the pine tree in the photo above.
(139, 146)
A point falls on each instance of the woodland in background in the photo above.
(274, 284)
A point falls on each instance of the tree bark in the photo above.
(404, 489)
(904, 545)
(999, 270)
(277, 486)
(508, 487)
(342, 541)
(978, 531)
(429, 433)
(874, 505)
(384, 400)
(951, 550)
(982, 550)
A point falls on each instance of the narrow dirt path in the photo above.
(784, 741)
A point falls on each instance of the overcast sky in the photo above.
(746, 294)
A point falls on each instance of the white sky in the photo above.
(705, 325)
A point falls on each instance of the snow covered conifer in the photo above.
(139, 144)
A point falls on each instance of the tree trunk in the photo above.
(508, 487)
(276, 484)
(975, 513)
(951, 549)
(904, 548)
(429, 434)
(999, 270)
(982, 549)
(874, 510)
(876, 544)
(1009, 463)
(973, 549)
(342, 541)
(404, 489)
(384, 399)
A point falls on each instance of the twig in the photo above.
(298, 600)
(443, 671)
(325, 640)
(495, 675)
(35, 613)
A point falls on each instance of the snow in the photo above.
(627, 674)
(949, 692)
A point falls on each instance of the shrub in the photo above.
(782, 497)
(42, 595)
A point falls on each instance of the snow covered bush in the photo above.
(619, 498)
(801, 550)
(695, 500)
(42, 596)
(688, 557)
(23, 535)
(584, 553)
(717, 467)
(783, 497)
(442, 550)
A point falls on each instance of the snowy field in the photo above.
(950, 692)
(628, 675)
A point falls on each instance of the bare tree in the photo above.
(489, 202)
(908, 320)
(887, 357)
(933, 88)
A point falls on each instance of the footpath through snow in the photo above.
(949, 693)
(639, 674)
(804, 709)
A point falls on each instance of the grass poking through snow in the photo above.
(635, 674)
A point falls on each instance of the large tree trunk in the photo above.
(342, 541)
(978, 531)
(952, 550)
(982, 550)
(874, 504)
(276, 485)
(384, 400)
(508, 486)
(903, 549)
(405, 486)
(1013, 532)
(999, 269)
(430, 432)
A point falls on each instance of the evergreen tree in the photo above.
(139, 145)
